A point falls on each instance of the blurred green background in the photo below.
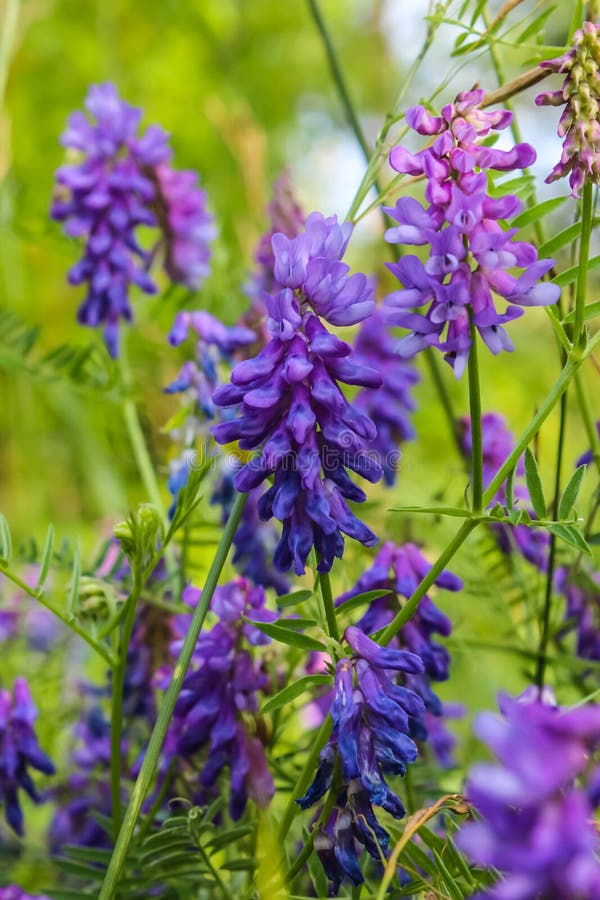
(244, 89)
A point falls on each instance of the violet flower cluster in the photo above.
(579, 123)
(581, 589)
(220, 697)
(124, 180)
(372, 719)
(390, 406)
(19, 752)
(399, 570)
(470, 254)
(498, 444)
(291, 407)
(14, 892)
(537, 818)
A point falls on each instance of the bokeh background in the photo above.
(244, 88)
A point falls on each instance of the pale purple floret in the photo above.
(536, 827)
(123, 181)
(471, 252)
(579, 123)
(498, 444)
(581, 589)
(370, 738)
(291, 407)
(390, 406)
(221, 692)
(19, 752)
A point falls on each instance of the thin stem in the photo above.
(332, 626)
(67, 620)
(443, 395)
(410, 608)
(588, 420)
(305, 777)
(116, 721)
(148, 769)
(545, 625)
(584, 255)
(476, 430)
(339, 80)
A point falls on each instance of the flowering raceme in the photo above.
(370, 738)
(124, 181)
(19, 751)
(399, 570)
(221, 691)
(536, 826)
(291, 405)
(470, 254)
(579, 123)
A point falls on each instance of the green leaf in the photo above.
(294, 598)
(563, 239)
(571, 536)
(286, 636)
(240, 865)
(5, 540)
(451, 886)
(455, 511)
(589, 312)
(569, 495)
(74, 586)
(292, 691)
(296, 624)
(539, 211)
(362, 599)
(534, 484)
(477, 12)
(569, 276)
(46, 557)
(510, 491)
(535, 27)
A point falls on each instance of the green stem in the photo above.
(116, 721)
(410, 608)
(476, 431)
(165, 713)
(68, 621)
(142, 457)
(545, 624)
(584, 255)
(338, 78)
(332, 626)
(588, 420)
(443, 395)
(305, 778)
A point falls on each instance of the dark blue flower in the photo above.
(19, 752)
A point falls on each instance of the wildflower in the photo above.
(579, 123)
(470, 252)
(399, 570)
(370, 738)
(19, 751)
(389, 407)
(123, 181)
(291, 405)
(498, 444)
(285, 217)
(14, 892)
(536, 825)
(581, 589)
(220, 694)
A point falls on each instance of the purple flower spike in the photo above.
(19, 751)
(399, 570)
(370, 738)
(580, 121)
(291, 407)
(221, 694)
(124, 181)
(536, 826)
(470, 251)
